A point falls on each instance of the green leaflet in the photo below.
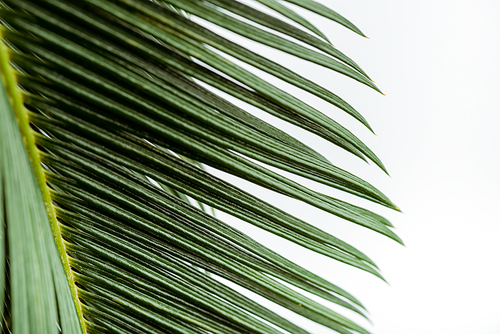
(290, 14)
(340, 136)
(260, 142)
(171, 20)
(153, 300)
(299, 226)
(366, 190)
(259, 35)
(271, 180)
(284, 45)
(322, 10)
(178, 167)
(79, 193)
(164, 74)
(36, 274)
(255, 210)
(150, 279)
(154, 196)
(165, 56)
(190, 293)
(190, 46)
(276, 24)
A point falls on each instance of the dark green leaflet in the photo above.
(322, 10)
(213, 59)
(301, 171)
(164, 56)
(288, 13)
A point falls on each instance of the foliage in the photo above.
(114, 115)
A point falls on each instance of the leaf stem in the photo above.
(7, 74)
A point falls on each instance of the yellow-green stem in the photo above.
(29, 142)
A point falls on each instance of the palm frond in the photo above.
(114, 110)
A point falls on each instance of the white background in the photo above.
(437, 133)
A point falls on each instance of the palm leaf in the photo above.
(114, 124)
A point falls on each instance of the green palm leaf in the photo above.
(114, 124)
